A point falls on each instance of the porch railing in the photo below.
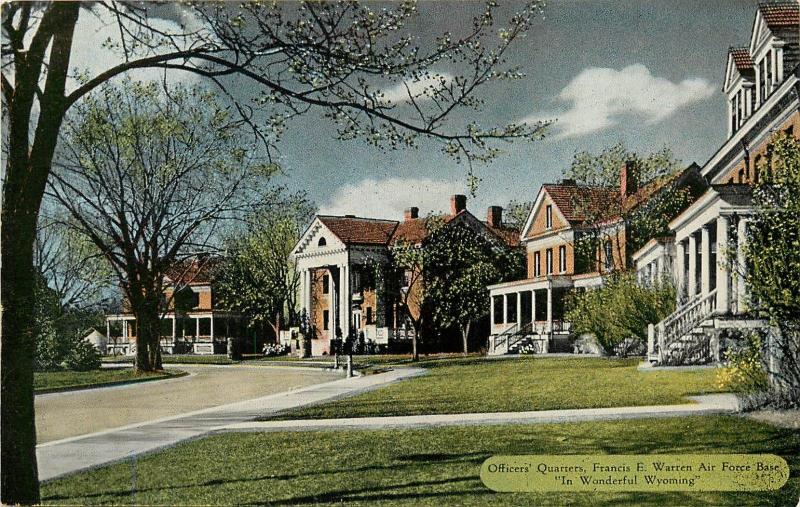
(678, 324)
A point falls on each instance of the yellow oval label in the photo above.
(633, 472)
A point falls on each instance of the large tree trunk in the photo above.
(27, 168)
(148, 331)
(465, 336)
(20, 480)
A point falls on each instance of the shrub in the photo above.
(618, 312)
(83, 356)
(744, 368)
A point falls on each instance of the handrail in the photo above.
(681, 321)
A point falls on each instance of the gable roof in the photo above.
(415, 230)
(352, 230)
(593, 199)
(742, 59)
(780, 13)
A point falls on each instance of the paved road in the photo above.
(62, 415)
(70, 455)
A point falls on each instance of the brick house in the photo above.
(346, 271)
(201, 328)
(762, 84)
(574, 236)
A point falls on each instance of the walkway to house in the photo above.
(703, 405)
(76, 453)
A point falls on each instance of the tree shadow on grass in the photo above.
(413, 461)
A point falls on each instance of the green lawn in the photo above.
(177, 359)
(527, 383)
(437, 466)
(48, 381)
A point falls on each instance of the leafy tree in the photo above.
(773, 253)
(149, 175)
(516, 214)
(335, 58)
(619, 310)
(645, 215)
(258, 278)
(460, 263)
(409, 261)
(70, 263)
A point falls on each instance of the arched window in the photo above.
(322, 242)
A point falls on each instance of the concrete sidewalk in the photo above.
(704, 405)
(70, 455)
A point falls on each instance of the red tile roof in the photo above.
(194, 272)
(742, 59)
(592, 200)
(360, 231)
(780, 13)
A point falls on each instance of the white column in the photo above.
(774, 82)
(344, 299)
(680, 268)
(307, 282)
(173, 328)
(759, 78)
(108, 329)
(533, 306)
(778, 64)
(331, 299)
(549, 307)
(660, 268)
(723, 273)
(741, 241)
(212, 327)
(125, 331)
(705, 260)
(691, 283)
(519, 308)
(505, 308)
(491, 313)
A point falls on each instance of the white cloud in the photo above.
(422, 89)
(599, 97)
(388, 198)
(88, 54)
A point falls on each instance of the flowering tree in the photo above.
(335, 58)
(461, 264)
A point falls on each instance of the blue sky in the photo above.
(647, 73)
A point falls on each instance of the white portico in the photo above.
(709, 263)
(338, 287)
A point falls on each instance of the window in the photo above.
(607, 250)
(497, 309)
(562, 259)
(369, 316)
(763, 78)
(511, 302)
(770, 79)
(549, 216)
(325, 318)
(322, 242)
(549, 261)
(326, 284)
(195, 299)
(537, 264)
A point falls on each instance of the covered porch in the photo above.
(529, 310)
(709, 268)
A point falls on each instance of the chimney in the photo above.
(410, 213)
(458, 203)
(494, 216)
(628, 179)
